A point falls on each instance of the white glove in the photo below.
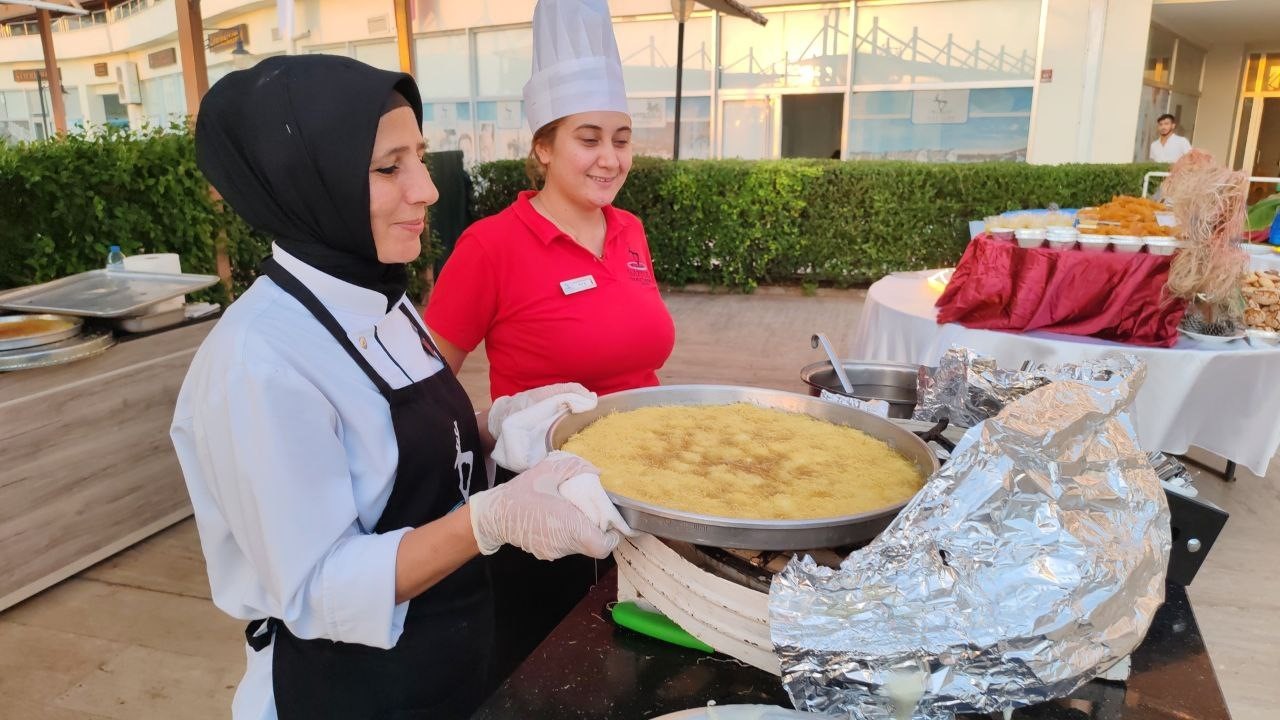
(519, 423)
(529, 512)
(586, 494)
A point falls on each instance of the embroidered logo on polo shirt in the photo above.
(636, 269)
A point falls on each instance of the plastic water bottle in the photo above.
(115, 258)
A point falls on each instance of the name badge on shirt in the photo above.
(577, 285)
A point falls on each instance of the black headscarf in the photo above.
(288, 144)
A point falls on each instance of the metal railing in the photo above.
(66, 23)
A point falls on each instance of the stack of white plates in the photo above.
(1030, 237)
(1094, 243)
(1126, 243)
(1062, 237)
(1160, 245)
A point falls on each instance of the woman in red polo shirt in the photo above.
(560, 284)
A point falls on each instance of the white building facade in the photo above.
(1045, 81)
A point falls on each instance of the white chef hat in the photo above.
(576, 67)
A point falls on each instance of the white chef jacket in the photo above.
(1170, 151)
(289, 456)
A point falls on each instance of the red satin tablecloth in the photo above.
(1107, 295)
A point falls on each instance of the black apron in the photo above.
(438, 668)
(533, 596)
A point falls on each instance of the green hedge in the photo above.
(738, 223)
(64, 203)
(726, 223)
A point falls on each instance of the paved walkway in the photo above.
(136, 637)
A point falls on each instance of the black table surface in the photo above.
(590, 668)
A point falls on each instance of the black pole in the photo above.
(44, 113)
(675, 150)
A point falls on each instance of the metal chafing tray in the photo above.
(104, 293)
(77, 348)
(62, 327)
(751, 534)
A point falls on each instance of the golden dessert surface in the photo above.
(743, 461)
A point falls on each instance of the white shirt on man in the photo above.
(1174, 147)
(289, 456)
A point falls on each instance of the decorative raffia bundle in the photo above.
(1209, 201)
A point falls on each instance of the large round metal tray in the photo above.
(65, 327)
(80, 347)
(736, 532)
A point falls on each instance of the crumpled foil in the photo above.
(968, 388)
(1030, 563)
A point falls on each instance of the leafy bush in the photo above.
(738, 223)
(728, 223)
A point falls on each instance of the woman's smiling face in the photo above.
(589, 157)
(400, 188)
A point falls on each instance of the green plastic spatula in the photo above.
(656, 625)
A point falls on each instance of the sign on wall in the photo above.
(939, 107)
(226, 38)
(162, 58)
(100, 70)
(31, 75)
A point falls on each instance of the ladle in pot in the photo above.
(820, 339)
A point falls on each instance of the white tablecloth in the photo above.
(1222, 398)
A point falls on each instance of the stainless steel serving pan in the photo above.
(80, 347)
(751, 534)
(103, 293)
(67, 327)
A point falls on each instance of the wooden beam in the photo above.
(404, 35)
(195, 71)
(51, 72)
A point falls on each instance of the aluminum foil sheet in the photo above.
(1026, 566)
(968, 388)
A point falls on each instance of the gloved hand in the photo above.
(529, 512)
(586, 493)
(519, 423)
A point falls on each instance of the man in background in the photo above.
(1169, 146)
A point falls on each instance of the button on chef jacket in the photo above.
(289, 456)
(547, 309)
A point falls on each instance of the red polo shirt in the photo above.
(548, 310)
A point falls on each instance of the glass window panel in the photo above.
(1154, 102)
(1187, 68)
(447, 126)
(941, 125)
(1251, 76)
(504, 61)
(503, 133)
(1242, 134)
(747, 129)
(1271, 74)
(962, 41)
(653, 123)
(444, 66)
(801, 48)
(1184, 107)
(1159, 55)
(648, 51)
(381, 55)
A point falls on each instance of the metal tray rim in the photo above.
(48, 356)
(690, 524)
(42, 339)
(9, 299)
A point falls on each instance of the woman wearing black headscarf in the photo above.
(329, 452)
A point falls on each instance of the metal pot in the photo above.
(895, 383)
(740, 533)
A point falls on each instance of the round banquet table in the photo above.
(1222, 398)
